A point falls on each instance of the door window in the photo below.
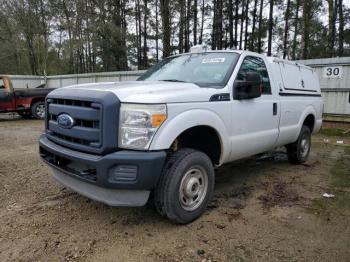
(257, 65)
(2, 85)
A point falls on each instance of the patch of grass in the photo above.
(341, 173)
(340, 187)
(331, 207)
(335, 132)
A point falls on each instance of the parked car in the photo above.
(26, 102)
(162, 135)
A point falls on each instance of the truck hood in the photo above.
(152, 91)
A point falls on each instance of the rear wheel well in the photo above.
(309, 122)
(37, 99)
(201, 138)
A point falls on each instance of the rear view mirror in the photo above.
(249, 88)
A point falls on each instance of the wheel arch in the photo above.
(189, 120)
(36, 99)
(308, 117)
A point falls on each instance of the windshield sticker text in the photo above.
(213, 60)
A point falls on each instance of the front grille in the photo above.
(87, 117)
(91, 110)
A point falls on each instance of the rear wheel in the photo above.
(38, 110)
(185, 187)
(298, 152)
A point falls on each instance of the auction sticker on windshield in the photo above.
(213, 60)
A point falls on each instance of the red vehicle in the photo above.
(26, 102)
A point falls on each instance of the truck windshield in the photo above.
(204, 69)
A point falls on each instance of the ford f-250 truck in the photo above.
(26, 102)
(162, 135)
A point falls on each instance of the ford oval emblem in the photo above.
(65, 121)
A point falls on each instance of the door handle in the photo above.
(274, 109)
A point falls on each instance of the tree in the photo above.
(195, 21)
(145, 49)
(165, 15)
(230, 19)
(242, 21)
(269, 41)
(341, 29)
(296, 21)
(253, 26)
(306, 28)
(81, 36)
(332, 17)
(246, 25)
(260, 26)
(286, 29)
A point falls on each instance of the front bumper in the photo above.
(121, 174)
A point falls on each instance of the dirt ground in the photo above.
(264, 209)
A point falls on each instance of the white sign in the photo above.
(332, 72)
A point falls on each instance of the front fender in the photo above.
(173, 127)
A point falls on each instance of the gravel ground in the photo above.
(264, 209)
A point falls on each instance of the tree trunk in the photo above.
(213, 31)
(165, 14)
(220, 31)
(202, 23)
(217, 26)
(341, 29)
(296, 21)
(253, 26)
(236, 23)
(182, 23)
(246, 25)
(145, 59)
(306, 28)
(242, 21)
(332, 17)
(195, 13)
(187, 29)
(138, 35)
(269, 41)
(230, 21)
(286, 29)
(335, 14)
(260, 27)
(157, 33)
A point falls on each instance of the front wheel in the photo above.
(185, 187)
(38, 110)
(298, 152)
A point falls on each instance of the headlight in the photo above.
(139, 123)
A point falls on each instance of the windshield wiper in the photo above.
(173, 80)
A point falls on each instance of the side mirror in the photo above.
(249, 88)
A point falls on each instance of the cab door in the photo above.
(7, 100)
(255, 121)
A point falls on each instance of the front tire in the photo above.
(298, 152)
(185, 187)
(38, 110)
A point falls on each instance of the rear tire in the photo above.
(298, 152)
(38, 110)
(185, 187)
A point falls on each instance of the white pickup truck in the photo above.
(163, 134)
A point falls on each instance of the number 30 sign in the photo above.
(333, 71)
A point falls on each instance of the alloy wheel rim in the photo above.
(40, 111)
